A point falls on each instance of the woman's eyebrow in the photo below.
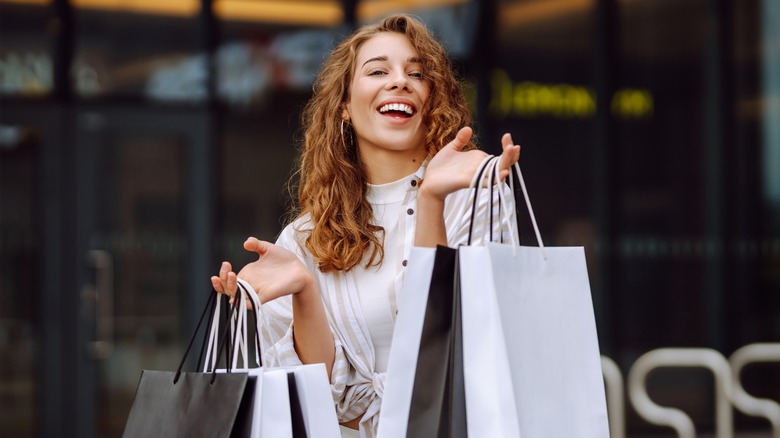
(411, 59)
(375, 58)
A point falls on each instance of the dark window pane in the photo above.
(19, 268)
(149, 50)
(26, 60)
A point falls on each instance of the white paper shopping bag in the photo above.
(551, 347)
(399, 383)
(295, 400)
(528, 321)
(317, 406)
(490, 400)
(275, 416)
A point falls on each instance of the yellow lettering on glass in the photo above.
(564, 101)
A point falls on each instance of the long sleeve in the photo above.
(458, 214)
(353, 386)
(356, 387)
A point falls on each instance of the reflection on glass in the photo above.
(452, 21)
(546, 27)
(26, 62)
(272, 46)
(281, 12)
(182, 8)
(19, 148)
(770, 77)
(139, 228)
(127, 48)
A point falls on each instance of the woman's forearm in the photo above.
(430, 230)
(311, 333)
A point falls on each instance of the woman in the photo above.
(387, 155)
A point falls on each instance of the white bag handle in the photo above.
(519, 174)
(489, 167)
(240, 338)
(259, 316)
(238, 328)
(210, 361)
(260, 319)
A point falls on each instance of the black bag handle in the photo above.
(492, 199)
(480, 174)
(213, 303)
(212, 298)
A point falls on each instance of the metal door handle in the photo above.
(102, 293)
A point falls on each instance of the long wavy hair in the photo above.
(332, 184)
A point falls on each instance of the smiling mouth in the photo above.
(397, 110)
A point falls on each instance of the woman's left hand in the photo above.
(277, 272)
(452, 169)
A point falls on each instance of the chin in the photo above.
(404, 145)
(402, 142)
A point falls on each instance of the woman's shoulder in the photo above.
(293, 235)
(300, 224)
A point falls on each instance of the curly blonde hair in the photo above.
(332, 183)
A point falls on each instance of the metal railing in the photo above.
(729, 392)
(672, 417)
(743, 401)
(616, 403)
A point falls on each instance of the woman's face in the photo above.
(387, 96)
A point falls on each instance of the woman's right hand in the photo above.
(452, 168)
(277, 272)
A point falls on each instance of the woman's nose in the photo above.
(398, 80)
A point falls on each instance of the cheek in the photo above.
(356, 104)
(425, 93)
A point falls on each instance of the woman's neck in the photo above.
(386, 166)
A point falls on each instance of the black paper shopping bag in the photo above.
(438, 406)
(192, 404)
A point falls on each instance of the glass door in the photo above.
(20, 152)
(143, 199)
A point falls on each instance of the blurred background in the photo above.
(141, 141)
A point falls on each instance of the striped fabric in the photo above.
(356, 388)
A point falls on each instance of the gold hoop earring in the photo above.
(344, 137)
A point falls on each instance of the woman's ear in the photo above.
(345, 114)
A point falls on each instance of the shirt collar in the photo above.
(396, 191)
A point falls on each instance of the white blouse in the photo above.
(361, 303)
(375, 284)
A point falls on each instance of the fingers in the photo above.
(232, 282)
(509, 156)
(216, 284)
(255, 245)
(462, 138)
(227, 281)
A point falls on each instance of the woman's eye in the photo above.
(416, 74)
(376, 73)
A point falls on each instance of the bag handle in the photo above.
(256, 307)
(212, 297)
(260, 317)
(514, 170)
(519, 175)
(476, 183)
(490, 165)
(238, 329)
(488, 170)
(211, 358)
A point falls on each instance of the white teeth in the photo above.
(396, 107)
